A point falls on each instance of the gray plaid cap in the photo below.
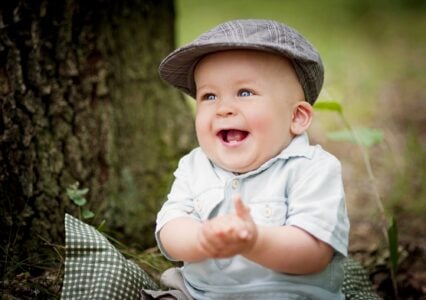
(265, 35)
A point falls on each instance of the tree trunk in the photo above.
(81, 101)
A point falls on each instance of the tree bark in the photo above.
(80, 100)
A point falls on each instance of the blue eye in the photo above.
(209, 97)
(245, 93)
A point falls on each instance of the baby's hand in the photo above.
(229, 235)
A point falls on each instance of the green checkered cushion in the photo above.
(95, 269)
(356, 284)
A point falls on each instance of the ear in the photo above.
(301, 117)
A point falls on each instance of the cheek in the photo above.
(270, 123)
(202, 126)
(261, 121)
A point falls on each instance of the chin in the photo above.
(236, 168)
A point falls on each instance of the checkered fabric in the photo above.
(95, 269)
(356, 284)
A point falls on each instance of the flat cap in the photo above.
(255, 34)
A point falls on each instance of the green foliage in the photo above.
(365, 138)
(77, 196)
(393, 244)
(329, 105)
(87, 214)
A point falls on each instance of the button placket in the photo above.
(232, 188)
(235, 184)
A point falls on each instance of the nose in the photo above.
(226, 107)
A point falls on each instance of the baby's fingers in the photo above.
(209, 240)
(241, 210)
(247, 224)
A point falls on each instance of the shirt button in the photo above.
(189, 210)
(198, 205)
(235, 184)
(267, 211)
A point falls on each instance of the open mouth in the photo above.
(232, 136)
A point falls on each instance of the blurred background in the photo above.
(374, 57)
(81, 101)
(373, 52)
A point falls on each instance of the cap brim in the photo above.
(178, 67)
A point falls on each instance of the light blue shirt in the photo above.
(302, 186)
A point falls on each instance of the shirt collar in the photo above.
(299, 146)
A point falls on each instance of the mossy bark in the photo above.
(80, 100)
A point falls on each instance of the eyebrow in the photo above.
(249, 81)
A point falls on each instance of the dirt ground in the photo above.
(368, 246)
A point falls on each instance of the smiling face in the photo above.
(248, 107)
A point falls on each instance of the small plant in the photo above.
(77, 196)
(365, 138)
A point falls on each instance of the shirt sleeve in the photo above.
(317, 202)
(179, 202)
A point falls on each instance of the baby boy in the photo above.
(255, 212)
